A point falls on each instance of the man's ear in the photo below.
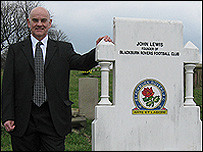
(50, 21)
(28, 22)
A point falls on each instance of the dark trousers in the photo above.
(40, 134)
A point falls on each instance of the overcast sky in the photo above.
(85, 21)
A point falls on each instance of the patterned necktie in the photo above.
(39, 88)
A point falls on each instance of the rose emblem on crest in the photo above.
(149, 97)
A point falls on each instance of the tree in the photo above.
(14, 27)
(57, 35)
(13, 21)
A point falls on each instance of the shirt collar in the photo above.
(35, 41)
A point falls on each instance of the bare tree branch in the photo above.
(14, 26)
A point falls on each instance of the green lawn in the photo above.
(80, 140)
(198, 99)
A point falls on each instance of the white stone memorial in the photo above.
(150, 110)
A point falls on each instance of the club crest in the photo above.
(149, 98)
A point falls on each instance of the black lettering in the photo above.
(129, 52)
(121, 52)
(142, 44)
(174, 53)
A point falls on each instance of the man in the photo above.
(36, 109)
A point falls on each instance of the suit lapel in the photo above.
(27, 49)
(51, 49)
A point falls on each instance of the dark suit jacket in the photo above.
(19, 77)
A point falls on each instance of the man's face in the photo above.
(39, 23)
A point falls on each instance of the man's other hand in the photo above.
(9, 125)
(106, 39)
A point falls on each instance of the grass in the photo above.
(198, 99)
(5, 141)
(80, 140)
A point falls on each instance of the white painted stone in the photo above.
(115, 127)
(189, 85)
(105, 51)
(105, 83)
(190, 53)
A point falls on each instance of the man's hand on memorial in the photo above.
(9, 125)
(106, 39)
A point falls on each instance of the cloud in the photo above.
(84, 21)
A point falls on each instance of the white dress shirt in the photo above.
(43, 47)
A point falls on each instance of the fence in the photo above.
(198, 76)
